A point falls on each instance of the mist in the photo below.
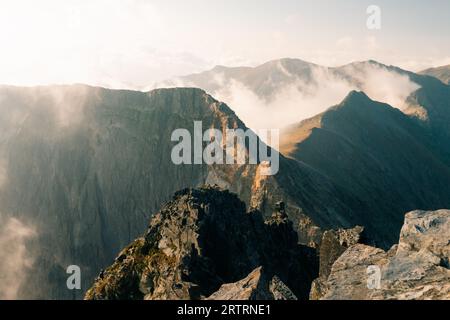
(296, 97)
(16, 259)
(289, 104)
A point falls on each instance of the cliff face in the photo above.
(85, 167)
(204, 239)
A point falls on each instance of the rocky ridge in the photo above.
(205, 241)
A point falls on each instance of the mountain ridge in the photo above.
(77, 155)
(442, 73)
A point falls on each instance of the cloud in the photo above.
(382, 84)
(290, 103)
(304, 96)
(3, 173)
(15, 258)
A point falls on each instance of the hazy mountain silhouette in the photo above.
(442, 73)
(285, 91)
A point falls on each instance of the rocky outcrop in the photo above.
(256, 286)
(416, 268)
(204, 239)
(334, 243)
(332, 246)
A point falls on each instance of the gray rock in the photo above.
(256, 286)
(334, 243)
(280, 291)
(415, 269)
(204, 239)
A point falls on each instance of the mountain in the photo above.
(83, 168)
(285, 91)
(201, 240)
(379, 155)
(264, 80)
(427, 101)
(442, 73)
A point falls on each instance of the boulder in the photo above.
(416, 268)
(256, 286)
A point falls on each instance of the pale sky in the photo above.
(133, 43)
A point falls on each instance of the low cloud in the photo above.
(303, 97)
(3, 173)
(289, 103)
(15, 258)
(382, 84)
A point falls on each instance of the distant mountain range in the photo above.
(87, 167)
(287, 90)
(442, 73)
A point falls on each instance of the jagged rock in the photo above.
(318, 289)
(280, 291)
(415, 269)
(348, 277)
(201, 240)
(256, 286)
(334, 243)
(332, 246)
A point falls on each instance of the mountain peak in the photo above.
(355, 96)
(219, 67)
(220, 243)
(288, 61)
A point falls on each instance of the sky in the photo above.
(134, 43)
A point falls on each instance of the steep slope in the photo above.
(201, 240)
(430, 107)
(85, 167)
(442, 73)
(379, 155)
